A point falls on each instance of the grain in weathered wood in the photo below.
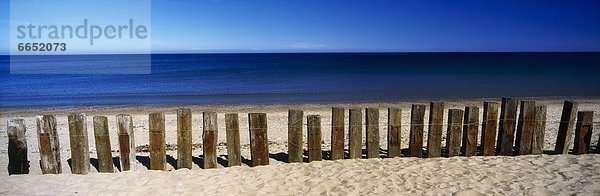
(355, 135)
(415, 144)
(470, 131)
(259, 142)
(103, 150)
(17, 147)
(157, 141)
(126, 142)
(232, 131)
(583, 132)
(565, 128)
(184, 138)
(209, 139)
(80, 154)
(48, 144)
(525, 128)
(372, 127)
(295, 144)
(434, 136)
(489, 125)
(537, 142)
(394, 131)
(337, 133)
(453, 139)
(314, 137)
(506, 130)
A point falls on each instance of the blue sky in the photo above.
(207, 26)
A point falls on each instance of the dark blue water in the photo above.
(184, 79)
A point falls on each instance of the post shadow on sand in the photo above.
(172, 161)
(223, 160)
(145, 160)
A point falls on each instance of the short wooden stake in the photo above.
(506, 130)
(232, 131)
(295, 144)
(103, 149)
(209, 139)
(394, 131)
(355, 128)
(372, 127)
(565, 128)
(583, 132)
(525, 128)
(259, 142)
(80, 153)
(537, 142)
(17, 147)
(338, 133)
(184, 138)
(415, 144)
(489, 125)
(48, 144)
(455, 118)
(126, 142)
(314, 138)
(157, 141)
(436, 122)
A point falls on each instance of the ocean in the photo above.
(288, 78)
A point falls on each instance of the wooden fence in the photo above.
(461, 136)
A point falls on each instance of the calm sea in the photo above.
(184, 79)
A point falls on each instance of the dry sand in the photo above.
(540, 174)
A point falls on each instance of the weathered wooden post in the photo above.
(355, 129)
(337, 133)
(415, 144)
(470, 131)
(565, 128)
(537, 142)
(489, 125)
(314, 138)
(48, 144)
(209, 139)
(372, 127)
(506, 131)
(184, 138)
(394, 131)
(157, 141)
(455, 118)
(259, 142)
(525, 128)
(80, 153)
(126, 142)
(17, 147)
(436, 122)
(102, 138)
(295, 145)
(583, 132)
(232, 131)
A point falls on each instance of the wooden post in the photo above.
(537, 142)
(583, 132)
(436, 122)
(355, 128)
(80, 153)
(455, 118)
(126, 142)
(157, 141)
(232, 131)
(184, 138)
(489, 125)
(565, 128)
(470, 131)
(506, 131)
(372, 127)
(314, 138)
(337, 133)
(48, 144)
(525, 128)
(295, 146)
(17, 147)
(209, 139)
(415, 145)
(394, 131)
(103, 150)
(259, 142)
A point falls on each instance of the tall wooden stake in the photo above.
(103, 150)
(48, 144)
(295, 144)
(583, 132)
(209, 139)
(337, 133)
(314, 138)
(436, 122)
(184, 138)
(415, 145)
(232, 131)
(126, 142)
(489, 125)
(565, 128)
(157, 141)
(506, 132)
(259, 142)
(355, 133)
(17, 147)
(394, 131)
(525, 128)
(537, 142)
(80, 153)
(372, 127)
(455, 118)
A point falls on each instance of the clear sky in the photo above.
(369, 25)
